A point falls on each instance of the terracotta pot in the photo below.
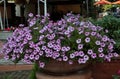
(63, 68)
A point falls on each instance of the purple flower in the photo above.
(44, 47)
(21, 25)
(67, 32)
(59, 22)
(13, 57)
(97, 43)
(67, 48)
(41, 37)
(81, 53)
(87, 33)
(35, 52)
(50, 45)
(31, 56)
(78, 41)
(93, 33)
(80, 61)
(86, 57)
(100, 49)
(80, 46)
(41, 64)
(101, 55)
(110, 55)
(104, 38)
(87, 39)
(6, 57)
(57, 47)
(72, 55)
(110, 46)
(115, 54)
(93, 55)
(41, 53)
(70, 28)
(59, 59)
(30, 14)
(65, 58)
(26, 56)
(90, 51)
(28, 36)
(63, 48)
(102, 44)
(80, 32)
(58, 41)
(47, 50)
(70, 62)
(55, 55)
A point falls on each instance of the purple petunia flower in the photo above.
(115, 54)
(70, 62)
(41, 64)
(44, 47)
(50, 45)
(110, 46)
(80, 61)
(93, 55)
(31, 56)
(101, 55)
(97, 43)
(30, 14)
(100, 49)
(72, 55)
(41, 53)
(78, 41)
(93, 33)
(86, 57)
(70, 28)
(81, 53)
(80, 46)
(6, 57)
(104, 38)
(67, 32)
(90, 51)
(87, 39)
(102, 44)
(87, 33)
(41, 37)
(65, 58)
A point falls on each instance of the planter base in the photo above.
(85, 75)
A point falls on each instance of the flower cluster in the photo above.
(69, 39)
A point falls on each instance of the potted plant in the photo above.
(70, 40)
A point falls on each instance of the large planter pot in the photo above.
(85, 75)
(63, 68)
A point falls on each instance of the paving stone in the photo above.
(15, 75)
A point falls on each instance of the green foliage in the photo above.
(33, 72)
(107, 7)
